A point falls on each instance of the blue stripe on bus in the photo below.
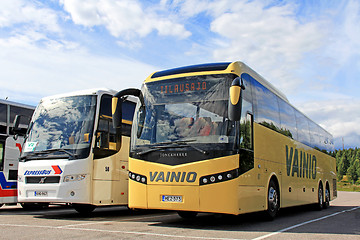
(5, 184)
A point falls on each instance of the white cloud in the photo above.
(269, 39)
(31, 73)
(126, 19)
(24, 12)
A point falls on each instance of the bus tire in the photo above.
(84, 208)
(320, 204)
(187, 214)
(273, 200)
(327, 198)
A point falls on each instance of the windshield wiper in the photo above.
(57, 150)
(175, 144)
(33, 154)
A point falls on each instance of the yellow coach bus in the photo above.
(219, 138)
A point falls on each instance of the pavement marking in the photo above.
(73, 227)
(118, 231)
(83, 224)
(120, 220)
(304, 223)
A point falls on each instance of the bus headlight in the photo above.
(137, 177)
(76, 177)
(219, 177)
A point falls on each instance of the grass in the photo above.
(348, 186)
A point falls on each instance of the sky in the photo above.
(309, 49)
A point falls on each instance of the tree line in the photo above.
(348, 163)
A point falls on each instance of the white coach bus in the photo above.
(10, 147)
(73, 155)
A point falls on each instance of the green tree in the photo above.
(354, 171)
(343, 166)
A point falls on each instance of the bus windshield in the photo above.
(191, 110)
(61, 128)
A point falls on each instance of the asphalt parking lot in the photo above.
(340, 221)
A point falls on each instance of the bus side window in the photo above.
(246, 126)
(246, 138)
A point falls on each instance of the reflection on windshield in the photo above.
(199, 115)
(63, 123)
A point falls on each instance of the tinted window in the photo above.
(315, 135)
(248, 82)
(128, 109)
(267, 107)
(303, 128)
(3, 113)
(288, 120)
(21, 111)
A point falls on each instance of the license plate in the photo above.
(40, 193)
(171, 198)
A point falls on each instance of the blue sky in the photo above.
(308, 49)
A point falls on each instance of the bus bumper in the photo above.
(215, 198)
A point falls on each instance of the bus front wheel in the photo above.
(273, 200)
(34, 206)
(84, 208)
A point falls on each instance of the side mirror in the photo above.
(17, 123)
(117, 101)
(235, 94)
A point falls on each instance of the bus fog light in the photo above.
(212, 179)
(72, 193)
(77, 177)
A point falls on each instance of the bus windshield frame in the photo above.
(185, 114)
(61, 128)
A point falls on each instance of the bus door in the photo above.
(11, 155)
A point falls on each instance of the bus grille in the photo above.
(42, 180)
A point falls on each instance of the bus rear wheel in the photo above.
(273, 201)
(320, 204)
(187, 214)
(327, 198)
(84, 208)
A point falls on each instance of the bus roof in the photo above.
(92, 91)
(237, 67)
(11, 103)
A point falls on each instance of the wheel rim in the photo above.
(273, 199)
(320, 197)
(327, 195)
